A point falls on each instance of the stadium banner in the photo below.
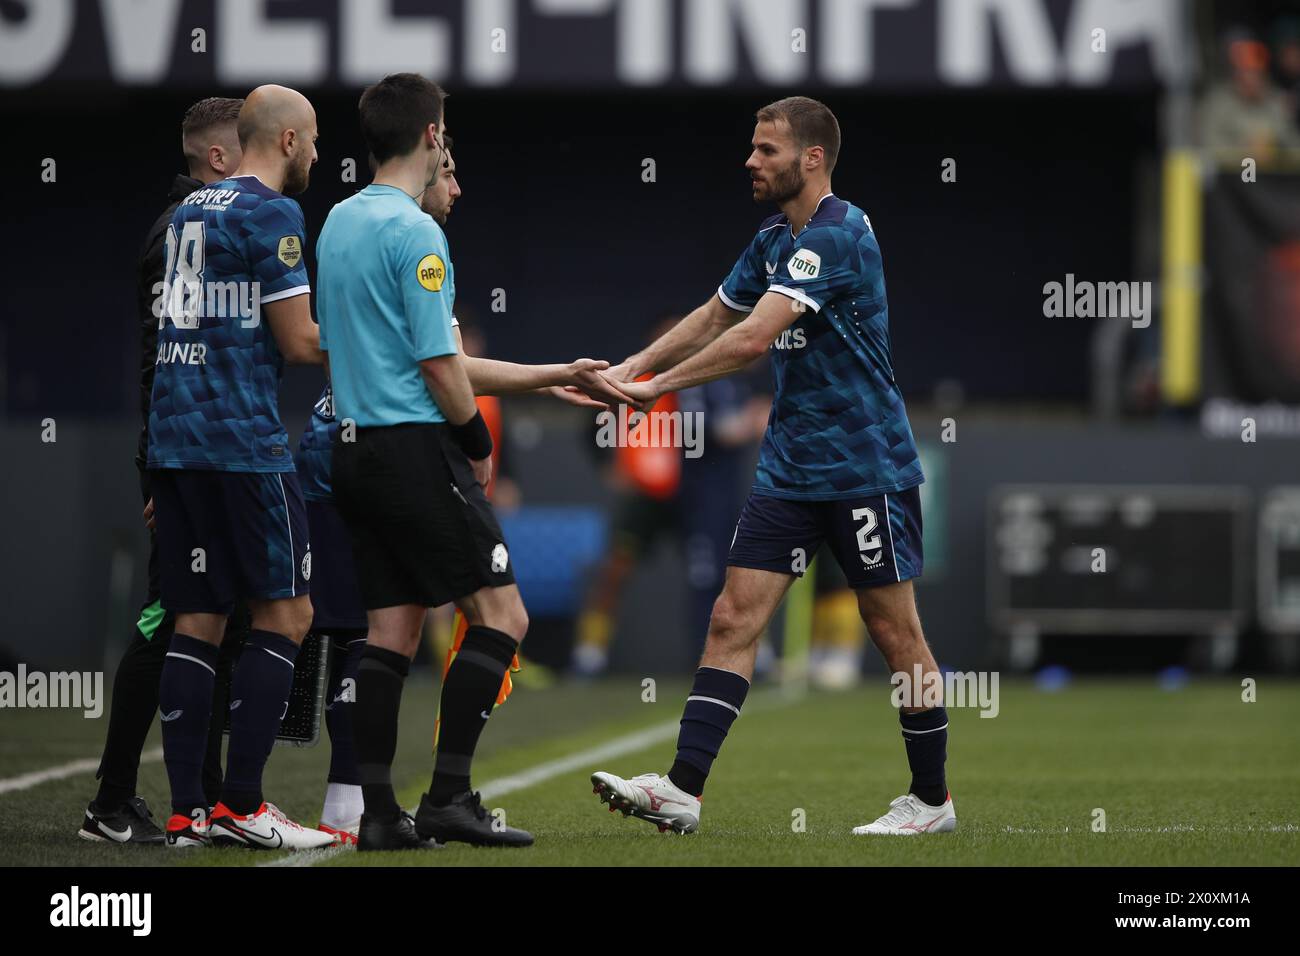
(1252, 249)
(597, 44)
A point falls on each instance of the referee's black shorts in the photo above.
(423, 531)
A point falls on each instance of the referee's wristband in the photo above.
(473, 437)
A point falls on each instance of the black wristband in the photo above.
(473, 437)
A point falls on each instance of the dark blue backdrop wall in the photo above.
(556, 214)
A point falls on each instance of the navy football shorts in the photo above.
(336, 592)
(225, 535)
(876, 539)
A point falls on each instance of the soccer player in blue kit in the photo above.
(837, 465)
(338, 618)
(230, 515)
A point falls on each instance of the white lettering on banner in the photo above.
(654, 41)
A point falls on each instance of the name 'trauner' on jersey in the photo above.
(186, 301)
(231, 249)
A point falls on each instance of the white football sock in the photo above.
(343, 804)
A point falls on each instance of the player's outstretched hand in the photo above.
(575, 396)
(622, 372)
(585, 374)
(640, 395)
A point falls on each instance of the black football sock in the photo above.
(468, 695)
(713, 705)
(380, 675)
(135, 702)
(340, 703)
(926, 735)
(259, 699)
(185, 705)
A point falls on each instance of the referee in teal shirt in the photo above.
(410, 464)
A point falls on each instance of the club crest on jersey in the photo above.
(431, 272)
(289, 251)
(804, 264)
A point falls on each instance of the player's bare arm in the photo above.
(447, 379)
(578, 383)
(734, 349)
(701, 327)
(297, 336)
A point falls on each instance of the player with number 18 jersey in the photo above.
(230, 516)
(232, 248)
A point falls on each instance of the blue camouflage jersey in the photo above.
(838, 428)
(232, 247)
(315, 449)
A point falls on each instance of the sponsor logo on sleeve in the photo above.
(289, 251)
(431, 272)
(804, 264)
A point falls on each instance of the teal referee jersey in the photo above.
(384, 296)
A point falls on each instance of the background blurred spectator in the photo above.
(1286, 63)
(1246, 115)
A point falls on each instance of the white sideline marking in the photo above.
(628, 743)
(305, 857)
(26, 781)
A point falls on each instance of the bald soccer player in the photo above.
(231, 522)
(117, 814)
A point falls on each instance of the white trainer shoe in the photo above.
(837, 669)
(908, 816)
(589, 661)
(267, 829)
(650, 797)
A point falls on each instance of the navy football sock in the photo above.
(715, 702)
(340, 703)
(214, 773)
(259, 699)
(184, 705)
(380, 676)
(926, 734)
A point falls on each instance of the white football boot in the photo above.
(186, 832)
(650, 797)
(266, 829)
(908, 816)
(345, 834)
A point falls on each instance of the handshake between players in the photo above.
(397, 514)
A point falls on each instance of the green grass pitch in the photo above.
(1188, 777)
